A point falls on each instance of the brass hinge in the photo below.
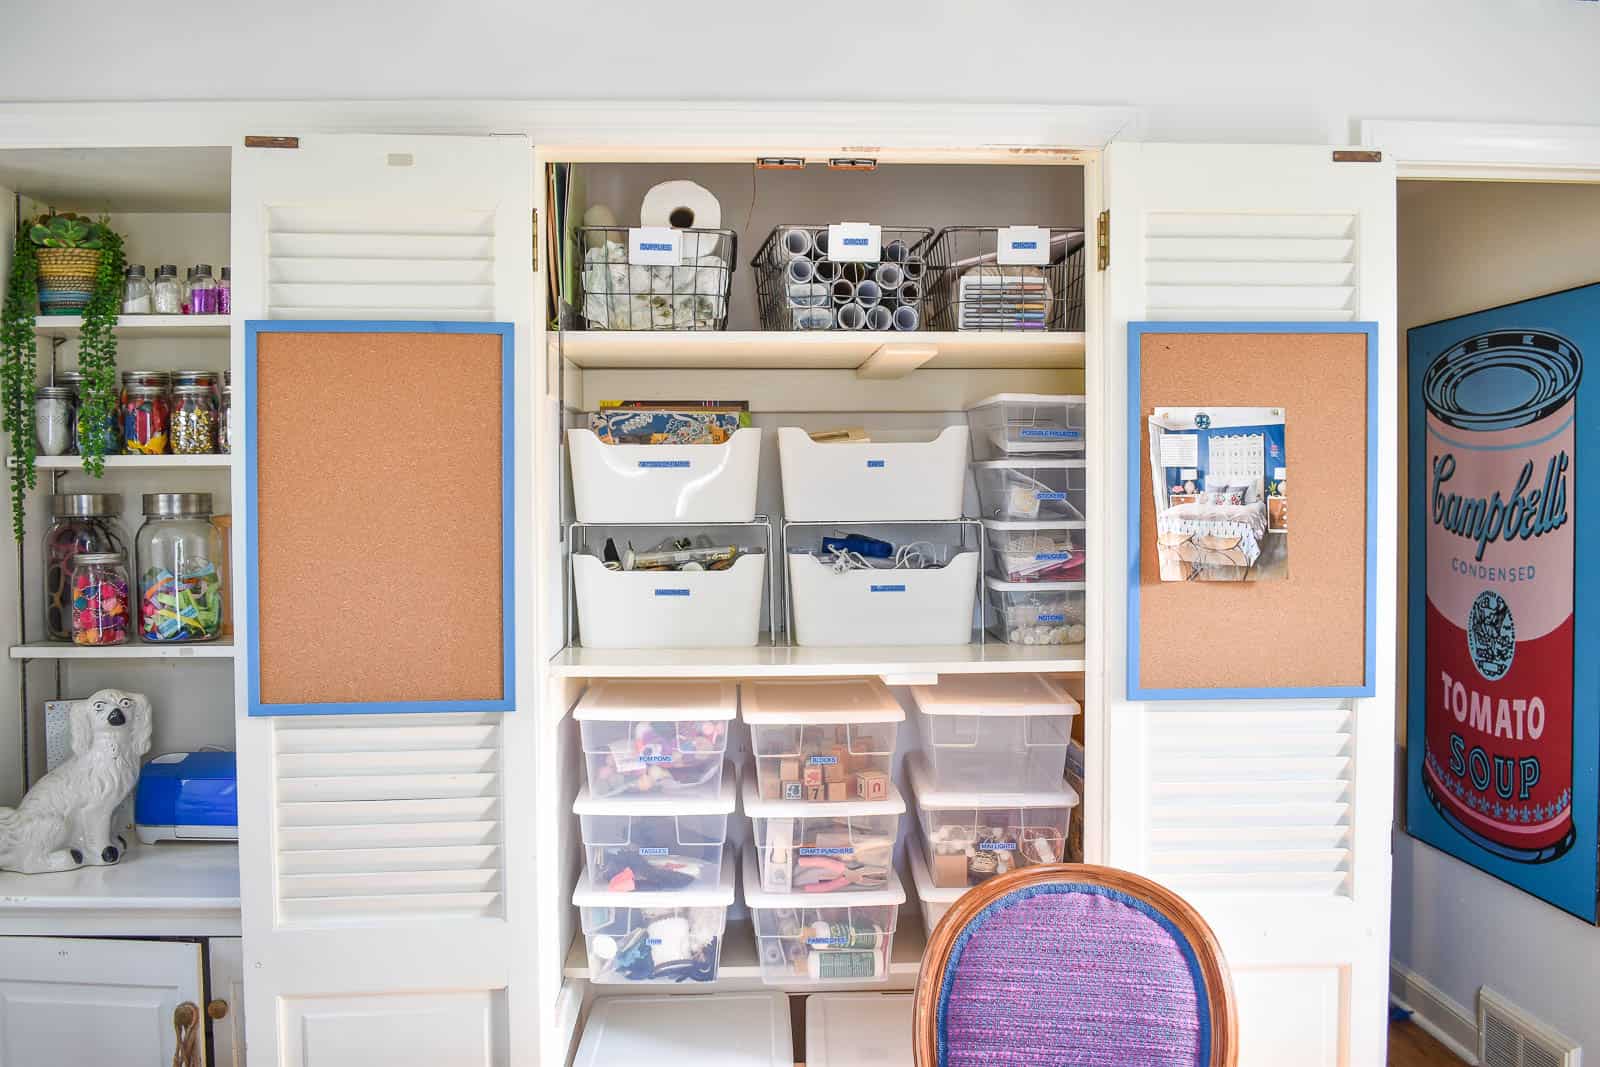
(852, 163)
(536, 240)
(256, 140)
(780, 163)
(1353, 155)
(1102, 239)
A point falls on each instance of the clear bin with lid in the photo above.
(647, 735)
(1037, 613)
(1032, 490)
(814, 848)
(802, 940)
(671, 937)
(995, 732)
(655, 842)
(970, 837)
(1035, 551)
(933, 900)
(827, 740)
(1032, 424)
(745, 1029)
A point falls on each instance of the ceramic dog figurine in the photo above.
(65, 820)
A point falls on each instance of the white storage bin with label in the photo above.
(879, 606)
(804, 940)
(934, 901)
(826, 848)
(1037, 613)
(1033, 424)
(1035, 551)
(671, 937)
(1032, 490)
(665, 483)
(995, 732)
(859, 1030)
(654, 843)
(750, 1029)
(821, 740)
(653, 736)
(972, 836)
(887, 479)
(669, 609)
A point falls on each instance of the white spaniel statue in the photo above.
(65, 820)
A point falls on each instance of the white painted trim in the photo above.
(1452, 1025)
(1484, 150)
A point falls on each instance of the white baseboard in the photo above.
(1449, 1023)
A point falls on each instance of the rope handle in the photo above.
(186, 1030)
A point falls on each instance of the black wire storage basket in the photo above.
(619, 295)
(800, 288)
(969, 289)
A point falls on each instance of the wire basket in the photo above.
(618, 295)
(800, 288)
(969, 289)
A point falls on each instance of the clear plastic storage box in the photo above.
(1031, 424)
(654, 842)
(970, 836)
(665, 483)
(887, 479)
(817, 848)
(826, 740)
(995, 732)
(1037, 613)
(859, 1030)
(1032, 490)
(802, 940)
(747, 1029)
(1035, 551)
(933, 900)
(652, 736)
(670, 937)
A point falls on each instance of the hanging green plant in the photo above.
(19, 348)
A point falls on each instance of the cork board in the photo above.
(1309, 633)
(379, 477)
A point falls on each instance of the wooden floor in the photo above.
(1410, 1046)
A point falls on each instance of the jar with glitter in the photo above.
(79, 522)
(146, 420)
(225, 292)
(55, 408)
(100, 604)
(203, 291)
(136, 298)
(194, 420)
(180, 585)
(166, 295)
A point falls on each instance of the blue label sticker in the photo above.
(855, 242)
(1039, 433)
(825, 761)
(1050, 557)
(1025, 244)
(654, 246)
(652, 941)
(875, 464)
(663, 464)
(1049, 617)
(888, 589)
(672, 592)
(997, 846)
(832, 850)
(655, 759)
(1052, 496)
(841, 941)
(653, 850)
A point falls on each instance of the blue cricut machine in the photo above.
(188, 796)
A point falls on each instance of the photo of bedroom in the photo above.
(1220, 477)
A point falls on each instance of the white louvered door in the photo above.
(1272, 816)
(377, 852)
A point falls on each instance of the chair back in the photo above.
(1073, 965)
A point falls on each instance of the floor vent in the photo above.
(1510, 1037)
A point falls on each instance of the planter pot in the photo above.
(66, 279)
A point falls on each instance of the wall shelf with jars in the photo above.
(142, 325)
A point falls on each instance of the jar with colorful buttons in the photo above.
(194, 420)
(180, 585)
(146, 420)
(100, 603)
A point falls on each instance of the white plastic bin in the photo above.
(1001, 731)
(648, 735)
(655, 937)
(882, 480)
(970, 836)
(1033, 424)
(654, 843)
(665, 483)
(669, 609)
(804, 940)
(935, 901)
(859, 1030)
(1035, 551)
(750, 1029)
(1037, 613)
(1032, 490)
(823, 849)
(825, 740)
(932, 606)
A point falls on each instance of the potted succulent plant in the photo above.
(70, 249)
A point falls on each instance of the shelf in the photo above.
(170, 889)
(150, 463)
(139, 325)
(767, 662)
(819, 350)
(219, 649)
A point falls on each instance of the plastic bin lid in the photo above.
(981, 799)
(829, 702)
(927, 892)
(1033, 587)
(755, 897)
(994, 694)
(1008, 525)
(1029, 398)
(859, 1030)
(661, 803)
(1042, 463)
(588, 895)
(719, 1030)
(629, 699)
(758, 807)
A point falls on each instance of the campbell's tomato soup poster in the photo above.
(1503, 729)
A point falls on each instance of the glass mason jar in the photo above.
(166, 295)
(55, 409)
(158, 379)
(225, 421)
(194, 420)
(112, 430)
(225, 293)
(146, 420)
(135, 292)
(203, 291)
(208, 378)
(100, 603)
(79, 522)
(180, 586)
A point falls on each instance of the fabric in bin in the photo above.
(1066, 975)
(659, 853)
(621, 296)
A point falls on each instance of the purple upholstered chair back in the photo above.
(1066, 972)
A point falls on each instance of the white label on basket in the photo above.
(830, 850)
(655, 246)
(1051, 496)
(1050, 557)
(663, 464)
(1048, 433)
(653, 850)
(888, 589)
(855, 242)
(997, 846)
(824, 761)
(672, 592)
(1051, 617)
(668, 759)
(1023, 244)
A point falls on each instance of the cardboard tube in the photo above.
(889, 275)
(851, 317)
(843, 291)
(813, 318)
(827, 270)
(914, 268)
(795, 242)
(896, 252)
(880, 318)
(868, 292)
(800, 270)
(906, 317)
(819, 243)
(910, 292)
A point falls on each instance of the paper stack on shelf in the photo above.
(1015, 299)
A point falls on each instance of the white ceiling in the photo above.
(119, 179)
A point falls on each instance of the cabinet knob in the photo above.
(217, 1010)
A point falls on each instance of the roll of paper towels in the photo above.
(682, 205)
(599, 215)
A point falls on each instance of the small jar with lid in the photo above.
(194, 420)
(100, 602)
(208, 378)
(225, 292)
(166, 293)
(111, 430)
(136, 292)
(55, 410)
(203, 291)
(146, 420)
(225, 422)
(158, 379)
(180, 584)
(79, 522)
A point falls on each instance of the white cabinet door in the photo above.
(1292, 874)
(226, 959)
(106, 1003)
(376, 850)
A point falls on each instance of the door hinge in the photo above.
(256, 140)
(1354, 155)
(852, 163)
(1102, 239)
(536, 240)
(780, 163)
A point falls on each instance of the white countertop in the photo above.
(171, 889)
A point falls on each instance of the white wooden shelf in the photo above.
(220, 649)
(140, 325)
(784, 661)
(819, 350)
(165, 890)
(215, 461)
